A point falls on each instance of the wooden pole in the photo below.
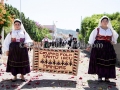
(2, 34)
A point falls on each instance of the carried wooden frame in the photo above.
(61, 61)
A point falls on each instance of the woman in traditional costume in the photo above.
(103, 56)
(15, 46)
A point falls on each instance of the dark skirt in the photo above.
(18, 59)
(0, 50)
(102, 59)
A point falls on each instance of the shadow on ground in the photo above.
(8, 84)
(95, 85)
(87, 54)
(50, 83)
(118, 63)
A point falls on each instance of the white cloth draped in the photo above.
(16, 34)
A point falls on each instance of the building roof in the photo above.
(62, 36)
(50, 27)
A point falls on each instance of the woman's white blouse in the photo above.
(102, 32)
(15, 34)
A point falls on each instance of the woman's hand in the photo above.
(7, 53)
(112, 42)
(88, 49)
(25, 45)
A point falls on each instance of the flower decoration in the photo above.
(38, 25)
(5, 18)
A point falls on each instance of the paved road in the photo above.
(49, 81)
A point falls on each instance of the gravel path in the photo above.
(50, 81)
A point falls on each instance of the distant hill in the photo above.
(65, 31)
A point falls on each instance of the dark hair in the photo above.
(17, 21)
(104, 18)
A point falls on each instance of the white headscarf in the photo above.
(22, 27)
(115, 34)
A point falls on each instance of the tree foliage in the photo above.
(5, 17)
(36, 31)
(90, 23)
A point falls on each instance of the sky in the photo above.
(66, 14)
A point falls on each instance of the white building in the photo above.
(52, 29)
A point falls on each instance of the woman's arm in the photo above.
(91, 39)
(5, 46)
(114, 37)
(27, 40)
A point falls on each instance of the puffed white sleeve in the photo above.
(27, 38)
(115, 37)
(43, 40)
(6, 43)
(113, 40)
(92, 37)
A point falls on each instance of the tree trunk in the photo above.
(2, 34)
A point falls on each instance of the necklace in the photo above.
(17, 36)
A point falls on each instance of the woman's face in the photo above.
(17, 26)
(104, 22)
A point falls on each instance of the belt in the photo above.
(17, 40)
(104, 39)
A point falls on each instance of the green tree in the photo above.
(36, 32)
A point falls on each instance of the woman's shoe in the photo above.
(15, 79)
(107, 80)
(99, 79)
(23, 80)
